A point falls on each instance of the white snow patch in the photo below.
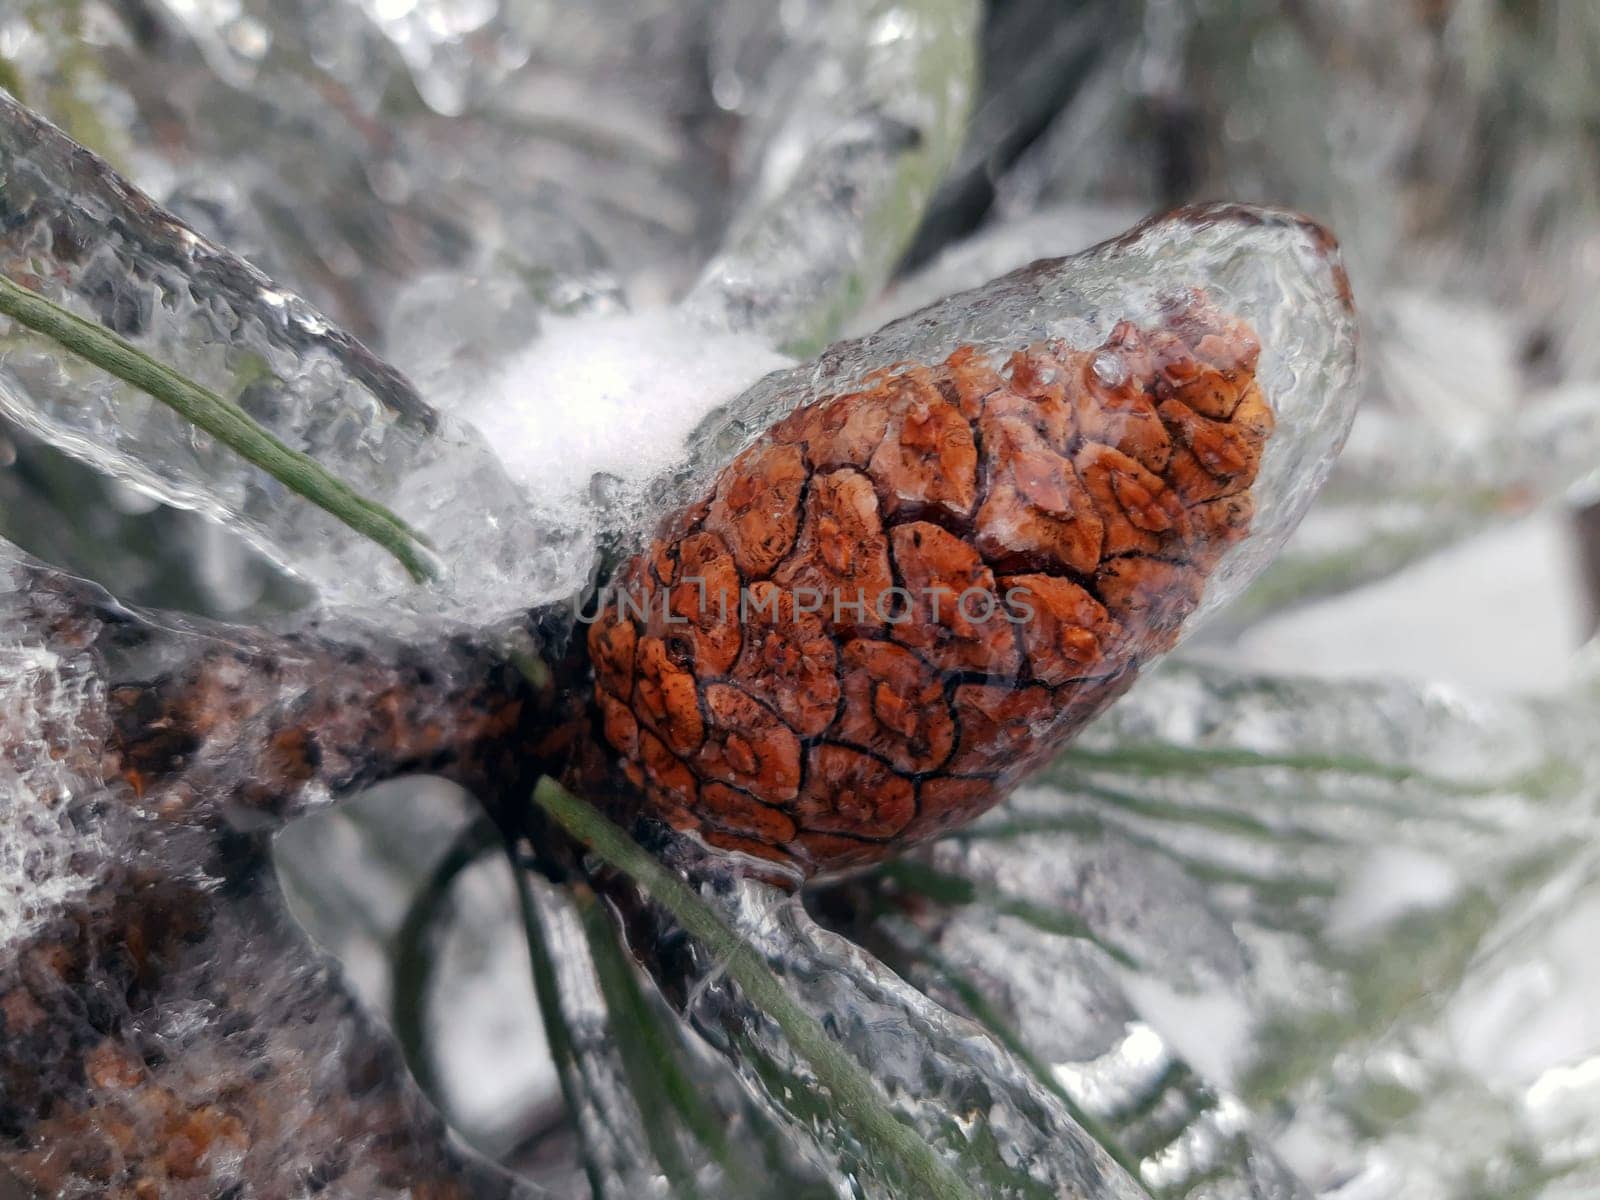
(615, 395)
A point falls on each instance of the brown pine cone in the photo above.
(903, 598)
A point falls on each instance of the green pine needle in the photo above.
(851, 1091)
(226, 422)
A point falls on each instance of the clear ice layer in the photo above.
(848, 131)
(957, 1086)
(1276, 271)
(76, 233)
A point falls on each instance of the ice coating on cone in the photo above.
(971, 534)
(1277, 271)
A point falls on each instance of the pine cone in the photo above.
(903, 598)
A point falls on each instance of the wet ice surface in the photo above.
(75, 232)
(1254, 927)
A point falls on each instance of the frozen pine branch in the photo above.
(145, 763)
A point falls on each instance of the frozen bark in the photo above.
(165, 1028)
